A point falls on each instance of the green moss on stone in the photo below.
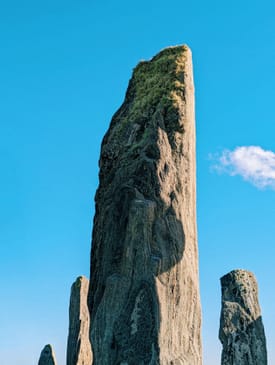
(156, 86)
(154, 83)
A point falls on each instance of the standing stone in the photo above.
(241, 328)
(79, 348)
(144, 296)
(47, 356)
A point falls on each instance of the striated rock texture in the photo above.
(144, 297)
(79, 350)
(241, 328)
(47, 356)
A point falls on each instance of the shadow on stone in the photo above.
(143, 296)
(47, 356)
(78, 344)
(245, 346)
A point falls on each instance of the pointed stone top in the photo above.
(47, 356)
(81, 280)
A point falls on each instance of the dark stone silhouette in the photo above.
(47, 356)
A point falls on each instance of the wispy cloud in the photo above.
(253, 163)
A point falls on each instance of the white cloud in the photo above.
(253, 163)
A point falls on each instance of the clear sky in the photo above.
(64, 69)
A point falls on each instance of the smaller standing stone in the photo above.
(47, 356)
(79, 350)
(241, 328)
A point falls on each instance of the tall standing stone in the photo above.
(241, 328)
(144, 296)
(47, 356)
(78, 347)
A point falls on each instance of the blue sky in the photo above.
(64, 69)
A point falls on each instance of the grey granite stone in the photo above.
(241, 328)
(144, 295)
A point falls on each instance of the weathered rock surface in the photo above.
(144, 297)
(79, 350)
(47, 356)
(241, 328)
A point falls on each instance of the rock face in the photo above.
(241, 328)
(79, 348)
(144, 297)
(47, 356)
